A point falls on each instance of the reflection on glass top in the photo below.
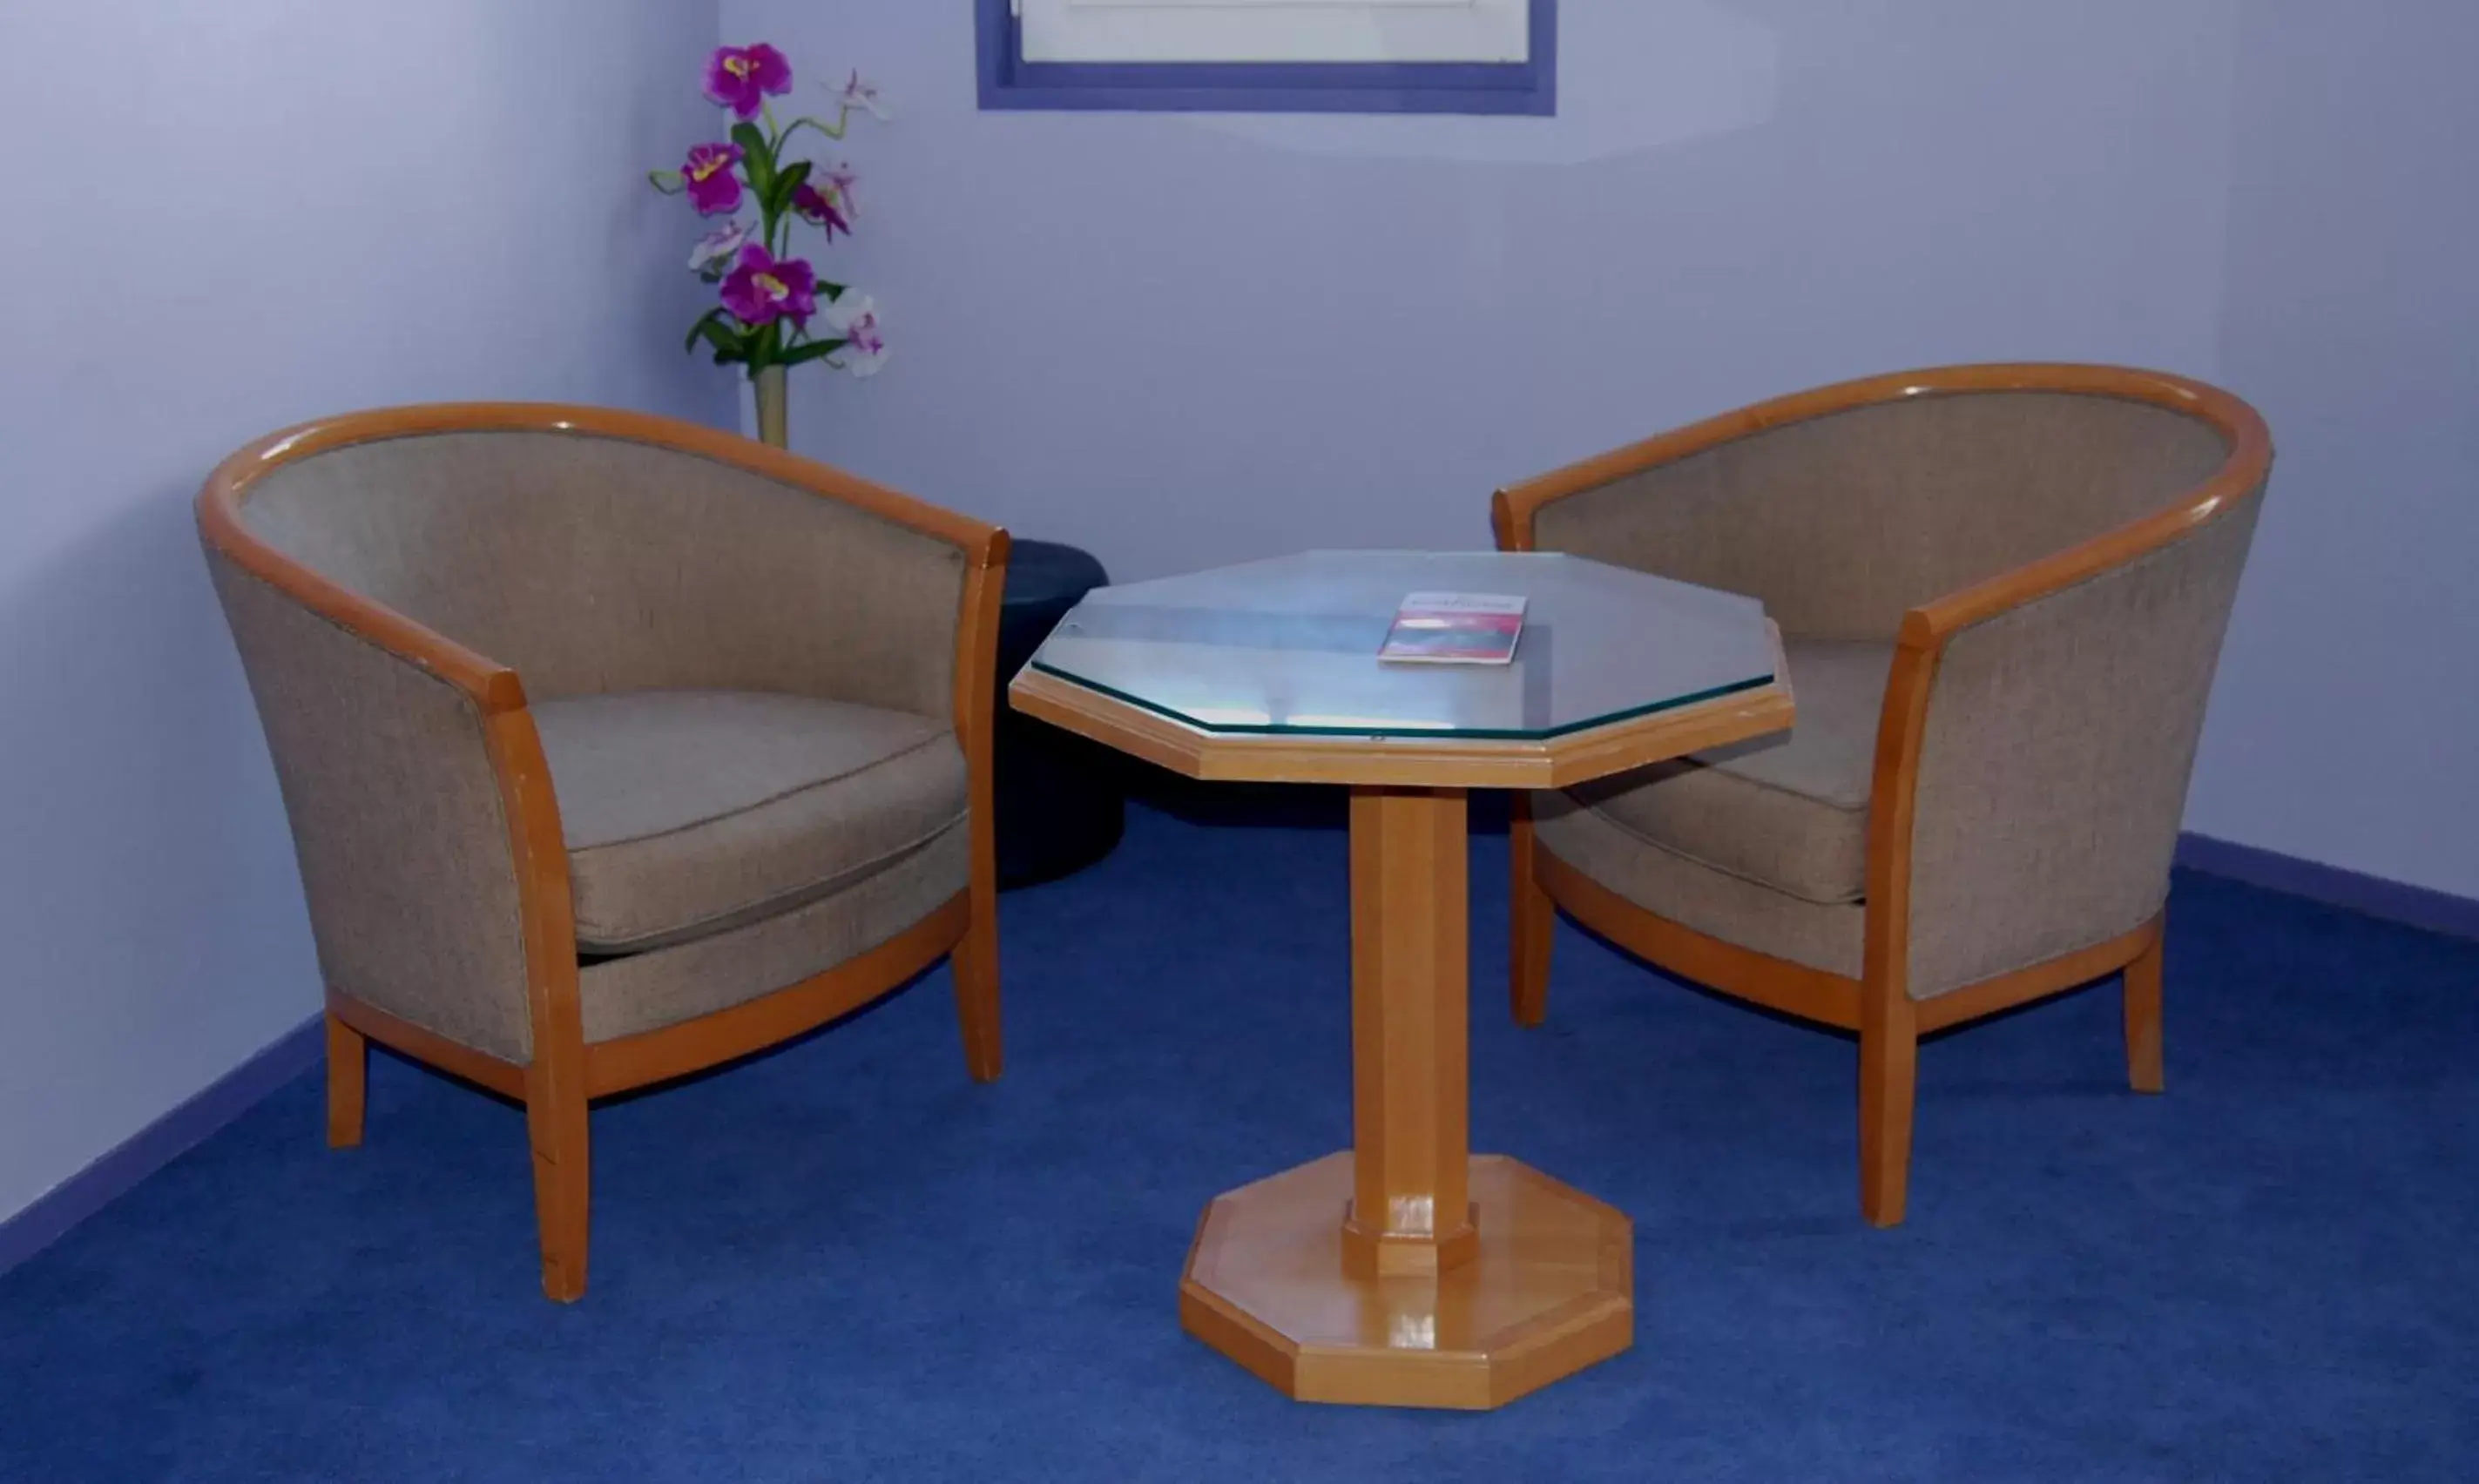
(1290, 646)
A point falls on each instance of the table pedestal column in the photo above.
(1407, 1271)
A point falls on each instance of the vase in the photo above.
(768, 384)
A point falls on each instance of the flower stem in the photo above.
(833, 132)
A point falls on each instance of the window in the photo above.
(1290, 56)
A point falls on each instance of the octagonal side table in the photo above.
(1406, 1270)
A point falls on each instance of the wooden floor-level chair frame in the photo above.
(565, 1073)
(1877, 1004)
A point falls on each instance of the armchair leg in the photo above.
(2143, 1070)
(555, 1123)
(1534, 925)
(349, 1068)
(1889, 1054)
(976, 967)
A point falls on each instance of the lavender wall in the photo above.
(1186, 340)
(223, 218)
(2346, 724)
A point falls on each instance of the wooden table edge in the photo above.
(1409, 762)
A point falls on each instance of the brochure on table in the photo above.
(1454, 628)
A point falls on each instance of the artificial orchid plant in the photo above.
(769, 295)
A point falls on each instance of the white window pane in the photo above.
(1497, 30)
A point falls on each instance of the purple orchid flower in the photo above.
(763, 289)
(707, 176)
(739, 77)
(820, 207)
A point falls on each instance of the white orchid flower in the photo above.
(714, 251)
(861, 96)
(853, 319)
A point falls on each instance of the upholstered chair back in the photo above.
(1845, 522)
(592, 564)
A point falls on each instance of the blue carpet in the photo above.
(845, 1262)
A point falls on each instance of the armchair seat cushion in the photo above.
(688, 812)
(1787, 813)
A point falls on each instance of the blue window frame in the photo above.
(1010, 82)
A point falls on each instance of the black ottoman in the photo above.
(1060, 803)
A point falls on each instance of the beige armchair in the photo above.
(742, 787)
(2002, 591)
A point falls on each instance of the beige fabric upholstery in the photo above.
(690, 811)
(744, 692)
(1787, 813)
(1685, 891)
(591, 565)
(396, 822)
(2061, 735)
(1841, 524)
(648, 992)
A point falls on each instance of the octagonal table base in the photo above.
(1406, 1272)
(1549, 1290)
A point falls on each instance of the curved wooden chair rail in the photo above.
(1877, 1004)
(494, 687)
(564, 1071)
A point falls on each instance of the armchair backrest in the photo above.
(1843, 518)
(589, 562)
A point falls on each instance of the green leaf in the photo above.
(812, 350)
(765, 346)
(756, 158)
(787, 183)
(833, 290)
(668, 181)
(711, 329)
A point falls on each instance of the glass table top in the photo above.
(1289, 646)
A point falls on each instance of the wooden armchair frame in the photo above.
(565, 1072)
(1877, 1004)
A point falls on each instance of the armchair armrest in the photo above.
(426, 845)
(2040, 733)
(415, 784)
